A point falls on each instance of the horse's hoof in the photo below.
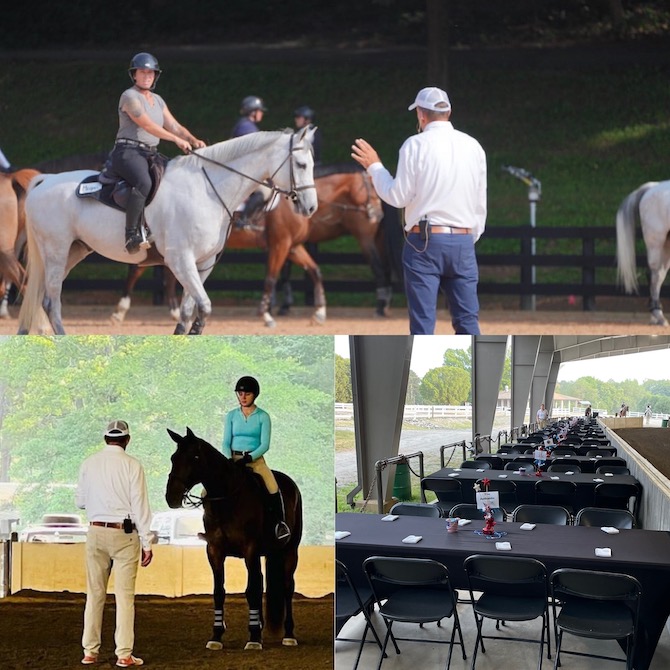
(289, 642)
(174, 313)
(658, 318)
(180, 329)
(319, 317)
(252, 646)
(268, 320)
(117, 317)
(213, 645)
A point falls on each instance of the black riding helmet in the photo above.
(252, 103)
(306, 112)
(248, 385)
(144, 61)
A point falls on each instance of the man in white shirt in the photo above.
(113, 491)
(542, 416)
(441, 183)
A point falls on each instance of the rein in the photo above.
(292, 193)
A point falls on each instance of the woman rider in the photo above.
(246, 437)
(144, 120)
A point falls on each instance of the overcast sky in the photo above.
(428, 350)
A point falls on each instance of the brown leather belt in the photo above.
(448, 230)
(109, 524)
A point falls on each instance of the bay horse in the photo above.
(348, 204)
(13, 187)
(189, 219)
(236, 524)
(650, 205)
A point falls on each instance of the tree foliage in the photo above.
(343, 392)
(58, 394)
(447, 385)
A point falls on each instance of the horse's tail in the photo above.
(627, 216)
(32, 314)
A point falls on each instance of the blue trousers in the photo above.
(448, 263)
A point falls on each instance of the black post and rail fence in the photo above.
(568, 255)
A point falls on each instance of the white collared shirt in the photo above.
(441, 175)
(111, 486)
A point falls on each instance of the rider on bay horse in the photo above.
(246, 437)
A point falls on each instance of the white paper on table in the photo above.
(554, 477)
(453, 474)
(341, 534)
(502, 476)
(503, 546)
(480, 470)
(412, 539)
(610, 530)
(598, 480)
(609, 474)
(464, 522)
(603, 552)
(569, 472)
(390, 517)
(457, 469)
(527, 526)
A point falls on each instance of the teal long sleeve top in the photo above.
(250, 434)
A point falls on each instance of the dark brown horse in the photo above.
(348, 204)
(237, 524)
(13, 187)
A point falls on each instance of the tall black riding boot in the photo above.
(134, 237)
(282, 532)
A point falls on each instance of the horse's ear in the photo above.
(175, 436)
(189, 432)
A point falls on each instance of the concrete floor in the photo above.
(500, 655)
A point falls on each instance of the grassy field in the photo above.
(591, 132)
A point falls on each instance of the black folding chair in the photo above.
(476, 465)
(553, 492)
(552, 514)
(506, 489)
(351, 601)
(495, 461)
(595, 605)
(413, 590)
(564, 467)
(447, 491)
(612, 470)
(616, 496)
(416, 509)
(512, 589)
(563, 451)
(605, 453)
(600, 516)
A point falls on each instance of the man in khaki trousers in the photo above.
(113, 491)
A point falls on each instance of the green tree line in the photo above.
(58, 394)
(450, 384)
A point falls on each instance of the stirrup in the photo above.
(136, 241)
(282, 532)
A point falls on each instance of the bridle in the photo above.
(368, 208)
(291, 193)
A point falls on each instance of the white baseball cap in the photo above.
(117, 429)
(431, 98)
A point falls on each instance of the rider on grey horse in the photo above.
(144, 120)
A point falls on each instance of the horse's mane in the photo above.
(229, 150)
(336, 168)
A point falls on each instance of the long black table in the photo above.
(525, 484)
(586, 463)
(644, 554)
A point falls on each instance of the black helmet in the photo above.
(306, 112)
(144, 61)
(252, 103)
(249, 385)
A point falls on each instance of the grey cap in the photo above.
(117, 429)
